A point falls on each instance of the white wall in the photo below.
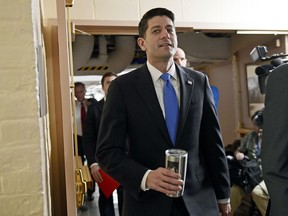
(205, 14)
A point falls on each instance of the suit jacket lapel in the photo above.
(186, 90)
(146, 90)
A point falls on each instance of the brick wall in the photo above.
(21, 156)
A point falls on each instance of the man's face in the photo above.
(106, 83)
(179, 58)
(80, 93)
(160, 40)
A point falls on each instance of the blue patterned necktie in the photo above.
(170, 106)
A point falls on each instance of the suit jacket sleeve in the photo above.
(111, 145)
(210, 137)
(90, 133)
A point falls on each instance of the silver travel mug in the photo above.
(176, 160)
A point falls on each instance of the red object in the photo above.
(108, 185)
(83, 115)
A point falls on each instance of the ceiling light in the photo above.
(263, 32)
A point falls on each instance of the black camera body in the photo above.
(259, 53)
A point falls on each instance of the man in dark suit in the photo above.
(275, 140)
(134, 119)
(92, 123)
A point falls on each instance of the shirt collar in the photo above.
(155, 73)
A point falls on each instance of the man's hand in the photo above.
(164, 181)
(239, 155)
(224, 208)
(96, 174)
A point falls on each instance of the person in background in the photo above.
(275, 140)
(251, 147)
(134, 134)
(81, 106)
(92, 123)
(180, 57)
(215, 92)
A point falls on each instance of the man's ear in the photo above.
(141, 43)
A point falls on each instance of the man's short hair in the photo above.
(143, 24)
(76, 84)
(108, 74)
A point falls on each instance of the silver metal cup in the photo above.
(176, 160)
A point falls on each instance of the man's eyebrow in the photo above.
(157, 26)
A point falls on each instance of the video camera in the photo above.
(259, 53)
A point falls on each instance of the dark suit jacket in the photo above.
(91, 128)
(132, 115)
(275, 140)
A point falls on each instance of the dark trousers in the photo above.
(80, 148)
(268, 208)
(106, 205)
(179, 208)
(120, 199)
(90, 191)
